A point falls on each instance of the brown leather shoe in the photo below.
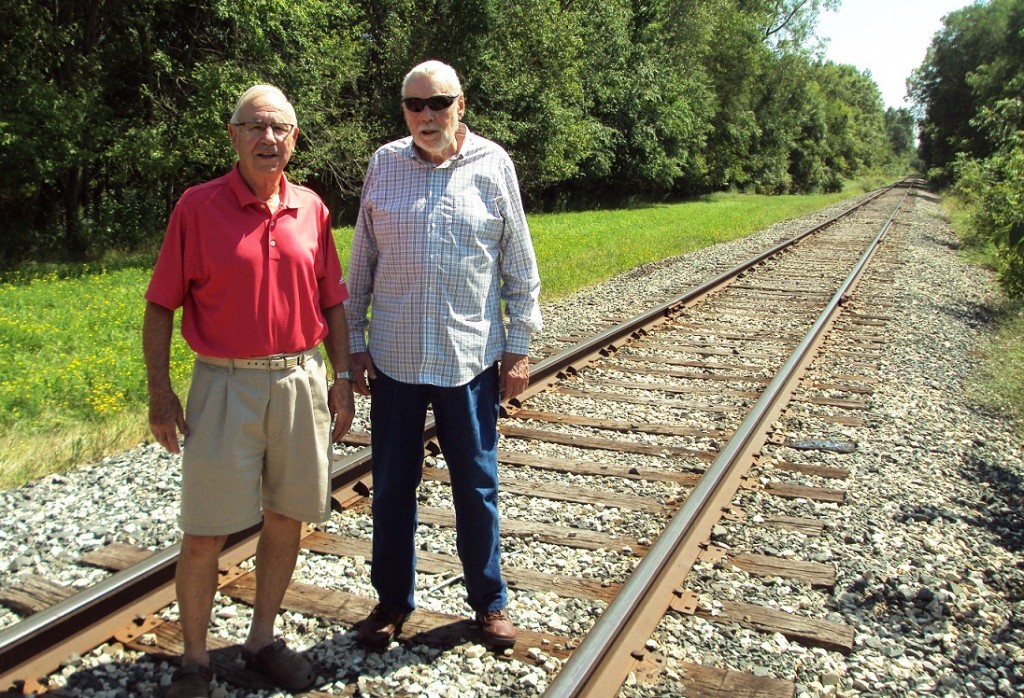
(282, 665)
(381, 627)
(496, 628)
(190, 681)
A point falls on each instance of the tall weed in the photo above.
(993, 189)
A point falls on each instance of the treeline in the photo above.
(970, 94)
(111, 108)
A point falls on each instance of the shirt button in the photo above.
(273, 243)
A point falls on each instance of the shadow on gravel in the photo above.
(975, 315)
(948, 243)
(971, 637)
(1000, 512)
(341, 664)
(1000, 509)
(337, 661)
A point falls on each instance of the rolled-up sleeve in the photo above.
(362, 265)
(520, 279)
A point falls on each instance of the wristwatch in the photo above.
(344, 375)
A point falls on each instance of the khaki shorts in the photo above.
(258, 439)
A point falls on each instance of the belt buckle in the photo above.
(277, 363)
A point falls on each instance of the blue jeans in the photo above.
(467, 430)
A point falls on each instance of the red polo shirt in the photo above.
(250, 283)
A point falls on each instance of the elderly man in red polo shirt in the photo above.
(250, 259)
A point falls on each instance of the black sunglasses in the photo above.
(436, 103)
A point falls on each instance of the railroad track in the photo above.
(660, 424)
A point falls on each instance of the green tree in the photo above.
(115, 107)
(311, 50)
(752, 53)
(858, 119)
(969, 92)
(899, 127)
(655, 115)
(402, 33)
(58, 117)
(531, 93)
(993, 187)
(940, 88)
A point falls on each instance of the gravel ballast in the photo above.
(927, 545)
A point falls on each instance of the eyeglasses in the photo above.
(436, 103)
(258, 128)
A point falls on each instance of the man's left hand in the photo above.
(514, 375)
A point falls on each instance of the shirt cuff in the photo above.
(518, 341)
(356, 343)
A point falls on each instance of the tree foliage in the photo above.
(970, 95)
(113, 108)
(941, 89)
(899, 128)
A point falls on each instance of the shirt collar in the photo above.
(413, 154)
(245, 196)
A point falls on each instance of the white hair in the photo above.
(436, 70)
(259, 91)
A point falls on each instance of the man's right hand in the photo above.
(363, 370)
(166, 418)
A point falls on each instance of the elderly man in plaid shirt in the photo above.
(441, 241)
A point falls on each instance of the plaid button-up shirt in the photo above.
(436, 251)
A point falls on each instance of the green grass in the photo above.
(999, 384)
(575, 250)
(72, 380)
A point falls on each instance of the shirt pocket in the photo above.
(478, 216)
(399, 223)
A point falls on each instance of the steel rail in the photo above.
(552, 368)
(37, 645)
(603, 660)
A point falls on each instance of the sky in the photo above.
(888, 37)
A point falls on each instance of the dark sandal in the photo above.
(285, 667)
(190, 681)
